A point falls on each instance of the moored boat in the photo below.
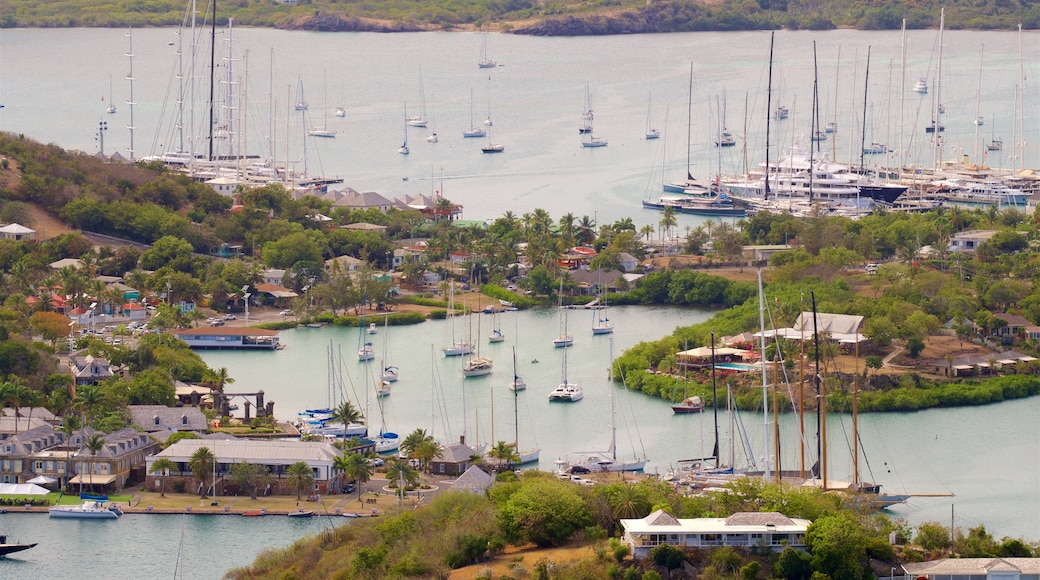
(90, 509)
(689, 405)
(12, 547)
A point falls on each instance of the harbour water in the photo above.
(51, 89)
(54, 81)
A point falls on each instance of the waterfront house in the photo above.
(275, 295)
(275, 455)
(11, 425)
(16, 465)
(88, 370)
(229, 337)
(345, 263)
(975, 569)
(156, 418)
(595, 281)
(356, 200)
(117, 464)
(454, 459)
(67, 263)
(769, 530)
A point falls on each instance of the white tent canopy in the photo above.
(22, 489)
(42, 480)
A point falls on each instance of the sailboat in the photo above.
(565, 338)
(365, 352)
(485, 62)
(683, 185)
(454, 347)
(420, 119)
(323, 131)
(566, 392)
(386, 441)
(478, 366)
(586, 115)
(301, 102)
(474, 130)
(490, 147)
(600, 323)
(496, 334)
(651, 133)
(526, 455)
(111, 109)
(389, 372)
(600, 461)
(403, 149)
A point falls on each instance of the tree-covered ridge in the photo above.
(458, 529)
(566, 17)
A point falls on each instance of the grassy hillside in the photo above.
(551, 17)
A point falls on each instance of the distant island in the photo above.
(567, 18)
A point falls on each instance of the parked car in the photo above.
(376, 462)
(230, 317)
(287, 312)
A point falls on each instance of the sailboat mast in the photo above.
(613, 412)
(978, 94)
(863, 133)
(689, 124)
(813, 116)
(769, 113)
(902, 89)
(765, 388)
(212, 74)
(131, 103)
(937, 140)
(715, 402)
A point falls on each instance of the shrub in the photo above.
(668, 556)
(620, 553)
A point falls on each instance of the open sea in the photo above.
(52, 83)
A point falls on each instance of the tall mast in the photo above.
(689, 124)
(765, 388)
(978, 94)
(1022, 112)
(130, 77)
(863, 133)
(715, 405)
(212, 74)
(769, 113)
(937, 140)
(813, 115)
(902, 89)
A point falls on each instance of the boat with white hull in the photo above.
(88, 510)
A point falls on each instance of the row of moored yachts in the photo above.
(801, 185)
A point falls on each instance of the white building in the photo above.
(976, 569)
(276, 456)
(746, 530)
(17, 232)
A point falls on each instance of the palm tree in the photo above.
(69, 425)
(356, 468)
(219, 377)
(647, 232)
(426, 451)
(299, 475)
(401, 472)
(412, 441)
(162, 466)
(630, 502)
(346, 413)
(505, 453)
(668, 220)
(586, 230)
(201, 465)
(94, 443)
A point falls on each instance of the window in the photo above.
(184, 419)
(38, 467)
(155, 420)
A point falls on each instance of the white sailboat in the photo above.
(403, 149)
(301, 102)
(651, 133)
(323, 130)
(420, 119)
(477, 366)
(566, 392)
(490, 147)
(454, 347)
(565, 338)
(474, 130)
(601, 461)
(485, 62)
(586, 115)
(365, 350)
(526, 455)
(111, 109)
(389, 372)
(496, 334)
(518, 383)
(600, 323)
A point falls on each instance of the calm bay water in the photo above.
(52, 81)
